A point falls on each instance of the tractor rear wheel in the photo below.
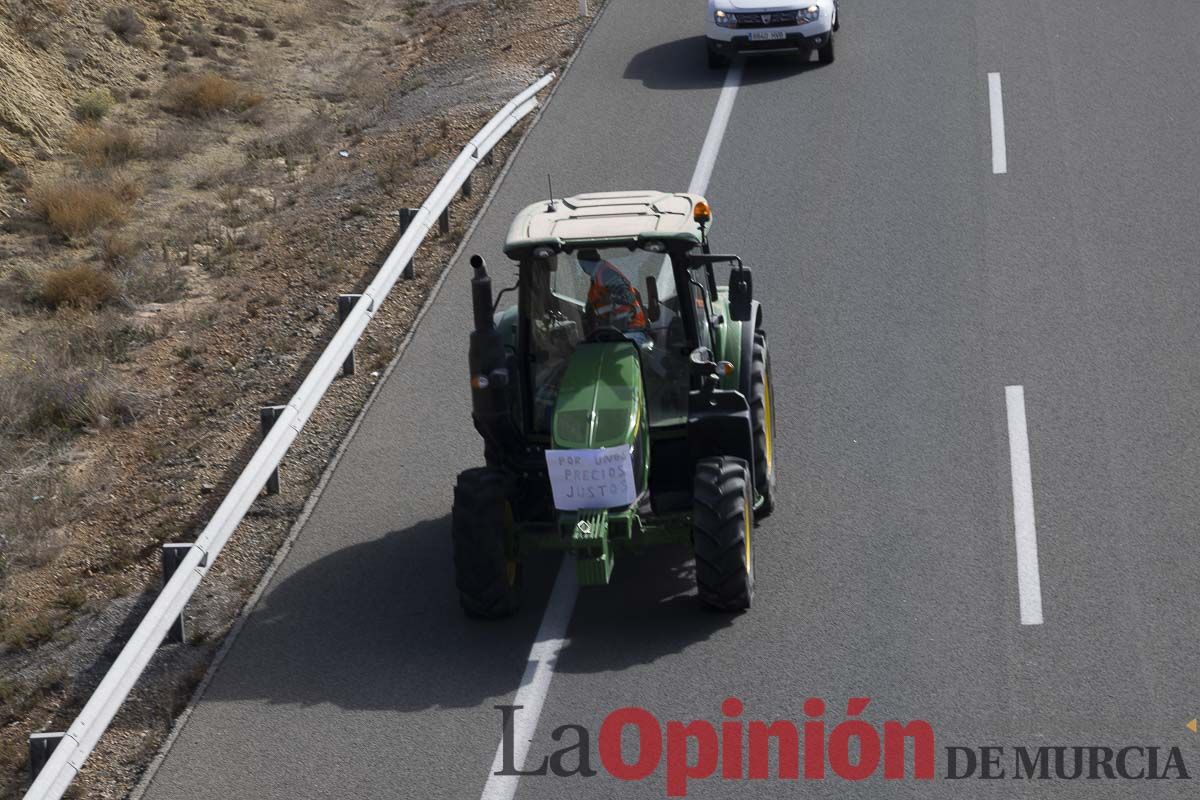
(722, 518)
(487, 571)
(762, 423)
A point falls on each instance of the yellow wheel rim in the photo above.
(768, 422)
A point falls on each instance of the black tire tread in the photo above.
(724, 579)
(480, 547)
(825, 53)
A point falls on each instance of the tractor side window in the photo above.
(555, 328)
(703, 313)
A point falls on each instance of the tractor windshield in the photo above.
(574, 295)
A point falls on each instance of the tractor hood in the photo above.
(600, 398)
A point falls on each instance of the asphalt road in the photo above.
(906, 285)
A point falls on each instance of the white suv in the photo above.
(763, 26)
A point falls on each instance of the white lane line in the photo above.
(535, 683)
(1029, 582)
(551, 635)
(996, 101)
(716, 130)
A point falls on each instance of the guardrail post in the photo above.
(345, 306)
(466, 190)
(407, 215)
(41, 745)
(172, 557)
(444, 221)
(266, 417)
(583, 9)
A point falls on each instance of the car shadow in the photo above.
(378, 626)
(680, 64)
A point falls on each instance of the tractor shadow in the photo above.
(648, 611)
(680, 64)
(377, 626)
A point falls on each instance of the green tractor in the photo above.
(623, 401)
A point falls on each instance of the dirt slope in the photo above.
(134, 352)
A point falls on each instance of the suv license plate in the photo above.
(767, 36)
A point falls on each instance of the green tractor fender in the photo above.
(743, 344)
(735, 342)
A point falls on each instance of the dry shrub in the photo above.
(171, 143)
(75, 208)
(207, 93)
(147, 279)
(104, 145)
(306, 140)
(117, 250)
(94, 105)
(77, 287)
(201, 44)
(125, 22)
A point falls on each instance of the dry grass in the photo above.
(206, 94)
(60, 379)
(26, 632)
(102, 146)
(148, 279)
(37, 397)
(82, 287)
(76, 208)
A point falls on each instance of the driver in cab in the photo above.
(613, 301)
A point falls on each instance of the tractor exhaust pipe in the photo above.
(490, 400)
(481, 295)
(487, 344)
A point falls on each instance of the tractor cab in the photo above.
(621, 389)
(612, 267)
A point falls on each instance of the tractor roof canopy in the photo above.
(611, 218)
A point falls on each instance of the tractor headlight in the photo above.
(724, 19)
(807, 15)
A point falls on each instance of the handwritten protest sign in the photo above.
(588, 479)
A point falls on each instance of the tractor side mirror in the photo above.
(653, 307)
(741, 292)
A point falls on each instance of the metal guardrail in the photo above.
(63, 755)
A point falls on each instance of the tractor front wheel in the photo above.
(722, 518)
(486, 568)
